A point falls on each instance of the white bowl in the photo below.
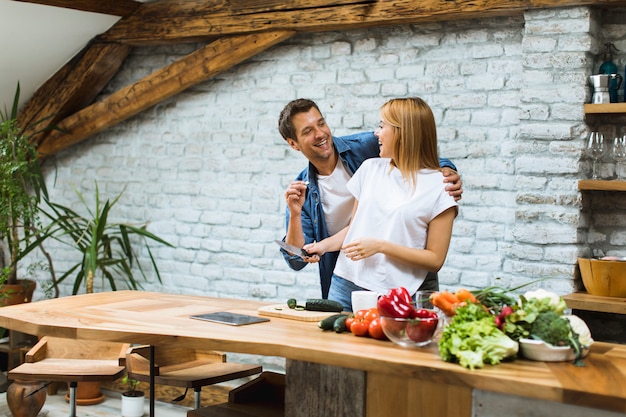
(538, 350)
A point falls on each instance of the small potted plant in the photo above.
(132, 399)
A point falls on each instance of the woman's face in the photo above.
(386, 135)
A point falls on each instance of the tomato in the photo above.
(423, 313)
(360, 327)
(349, 321)
(371, 314)
(376, 330)
(421, 330)
(360, 314)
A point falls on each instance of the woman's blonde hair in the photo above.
(416, 135)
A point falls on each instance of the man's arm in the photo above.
(455, 185)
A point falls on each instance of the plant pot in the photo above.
(133, 404)
(87, 393)
(19, 293)
(26, 398)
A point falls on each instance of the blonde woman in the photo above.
(402, 218)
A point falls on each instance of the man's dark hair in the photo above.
(301, 105)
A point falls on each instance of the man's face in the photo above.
(313, 136)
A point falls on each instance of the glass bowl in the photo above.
(411, 332)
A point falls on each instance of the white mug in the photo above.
(363, 300)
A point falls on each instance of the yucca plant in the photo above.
(106, 248)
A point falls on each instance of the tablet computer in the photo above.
(225, 317)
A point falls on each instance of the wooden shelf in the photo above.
(584, 301)
(608, 108)
(602, 185)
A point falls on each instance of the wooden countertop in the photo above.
(158, 319)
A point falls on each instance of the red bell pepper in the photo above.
(396, 303)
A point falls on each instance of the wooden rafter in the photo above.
(110, 7)
(167, 21)
(174, 78)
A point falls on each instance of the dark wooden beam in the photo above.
(170, 21)
(110, 7)
(73, 87)
(162, 84)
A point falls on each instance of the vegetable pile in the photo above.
(486, 326)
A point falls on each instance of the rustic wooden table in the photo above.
(395, 381)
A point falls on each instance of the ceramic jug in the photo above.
(26, 398)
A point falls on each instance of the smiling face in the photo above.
(387, 138)
(314, 140)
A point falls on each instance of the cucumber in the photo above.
(339, 326)
(328, 322)
(318, 304)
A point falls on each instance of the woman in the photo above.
(402, 218)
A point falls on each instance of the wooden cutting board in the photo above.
(284, 312)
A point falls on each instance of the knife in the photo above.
(294, 250)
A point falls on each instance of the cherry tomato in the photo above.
(360, 327)
(376, 330)
(420, 330)
(349, 321)
(371, 314)
(360, 314)
(423, 313)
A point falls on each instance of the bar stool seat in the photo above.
(72, 361)
(178, 366)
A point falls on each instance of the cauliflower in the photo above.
(554, 301)
(581, 329)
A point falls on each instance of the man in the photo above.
(318, 202)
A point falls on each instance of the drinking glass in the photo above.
(595, 150)
(619, 156)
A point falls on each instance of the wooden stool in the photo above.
(72, 361)
(184, 367)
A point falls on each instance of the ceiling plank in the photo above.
(162, 84)
(109, 7)
(73, 87)
(170, 21)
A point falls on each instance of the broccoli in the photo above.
(556, 330)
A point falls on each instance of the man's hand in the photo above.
(455, 185)
(295, 196)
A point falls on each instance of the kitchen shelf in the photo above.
(601, 185)
(588, 302)
(607, 108)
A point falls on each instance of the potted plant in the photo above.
(22, 188)
(132, 399)
(106, 248)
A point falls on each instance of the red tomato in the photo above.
(371, 314)
(360, 314)
(376, 330)
(360, 327)
(422, 313)
(349, 322)
(421, 330)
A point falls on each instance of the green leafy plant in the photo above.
(132, 385)
(107, 248)
(22, 188)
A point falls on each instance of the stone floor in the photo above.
(57, 406)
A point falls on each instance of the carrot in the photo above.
(465, 295)
(451, 298)
(443, 303)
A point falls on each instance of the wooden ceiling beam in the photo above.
(72, 88)
(110, 7)
(196, 67)
(171, 21)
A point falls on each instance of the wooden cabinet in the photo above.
(607, 108)
(588, 302)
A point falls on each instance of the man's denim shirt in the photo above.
(353, 150)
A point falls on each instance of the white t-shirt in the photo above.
(337, 201)
(390, 209)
